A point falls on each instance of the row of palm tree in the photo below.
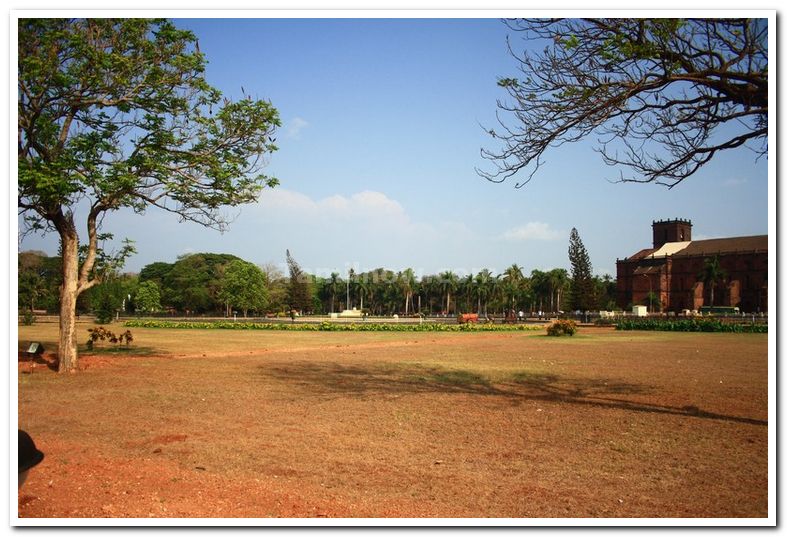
(385, 292)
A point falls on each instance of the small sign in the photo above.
(35, 348)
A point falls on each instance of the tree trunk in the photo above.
(67, 344)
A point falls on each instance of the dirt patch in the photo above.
(468, 425)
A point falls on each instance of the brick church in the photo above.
(671, 270)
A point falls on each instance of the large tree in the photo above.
(299, 292)
(583, 292)
(243, 286)
(662, 97)
(116, 113)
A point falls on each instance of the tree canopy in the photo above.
(116, 113)
(243, 286)
(661, 96)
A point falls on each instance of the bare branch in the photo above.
(658, 87)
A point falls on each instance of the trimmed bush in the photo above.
(691, 325)
(562, 327)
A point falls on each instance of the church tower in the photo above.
(677, 230)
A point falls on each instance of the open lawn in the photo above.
(205, 423)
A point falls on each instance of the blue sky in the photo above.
(382, 131)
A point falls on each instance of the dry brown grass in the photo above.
(259, 424)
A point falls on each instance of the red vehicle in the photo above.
(467, 318)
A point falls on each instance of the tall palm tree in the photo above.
(711, 274)
(333, 286)
(350, 286)
(362, 287)
(513, 282)
(407, 282)
(485, 285)
(448, 284)
(428, 291)
(558, 280)
(539, 283)
(467, 290)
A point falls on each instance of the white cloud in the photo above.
(294, 127)
(532, 231)
(365, 207)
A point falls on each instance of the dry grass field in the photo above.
(310, 424)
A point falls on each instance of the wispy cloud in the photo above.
(532, 231)
(294, 127)
(735, 181)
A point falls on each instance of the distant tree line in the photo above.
(226, 285)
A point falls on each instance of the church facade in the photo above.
(668, 275)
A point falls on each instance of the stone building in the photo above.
(671, 271)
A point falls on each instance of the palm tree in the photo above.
(407, 282)
(448, 284)
(333, 285)
(362, 287)
(484, 288)
(557, 280)
(539, 283)
(428, 291)
(467, 289)
(514, 279)
(711, 274)
(350, 284)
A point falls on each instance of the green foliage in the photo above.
(116, 113)
(583, 292)
(691, 325)
(39, 279)
(562, 327)
(106, 301)
(119, 109)
(28, 318)
(711, 275)
(243, 286)
(192, 283)
(199, 283)
(327, 326)
(147, 298)
(299, 289)
(102, 334)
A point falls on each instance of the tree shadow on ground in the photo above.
(330, 378)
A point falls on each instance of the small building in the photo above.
(669, 272)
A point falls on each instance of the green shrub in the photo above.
(562, 327)
(28, 318)
(327, 326)
(102, 334)
(691, 325)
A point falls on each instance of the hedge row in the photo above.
(690, 325)
(333, 327)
